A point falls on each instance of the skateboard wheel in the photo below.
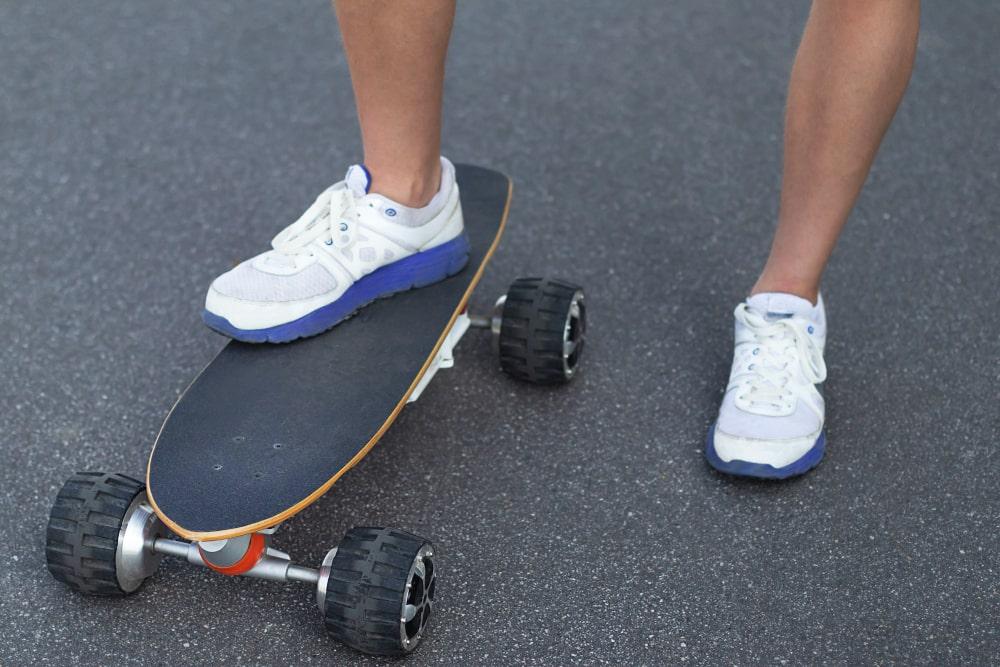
(99, 532)
(379, 590)
(542, 330)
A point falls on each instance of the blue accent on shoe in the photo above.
(368, 177)
(804, 464)
(417, 270)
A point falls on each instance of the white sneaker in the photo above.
(348, 249)
(771, 421)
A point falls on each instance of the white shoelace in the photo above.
(769, 387)
(330, 216)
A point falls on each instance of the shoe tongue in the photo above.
(359, 180)
(778, 305)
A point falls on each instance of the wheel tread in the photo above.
(365, 588)
(531, 333)
(82, 533)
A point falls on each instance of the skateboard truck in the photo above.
(445, 357)
(247, 555)
(105, 538)
(547, 317)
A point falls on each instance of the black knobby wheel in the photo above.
(81, 540)
(542, 330)
(380, 590)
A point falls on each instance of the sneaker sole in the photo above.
(417, 270)
(802, 465)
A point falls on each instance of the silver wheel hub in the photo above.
(573, 334)
(135, 559)
(496, 321)
(418, 599)
(324, 577)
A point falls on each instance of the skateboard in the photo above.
(265, 430)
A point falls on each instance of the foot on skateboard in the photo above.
(265, 430)
(348, 249)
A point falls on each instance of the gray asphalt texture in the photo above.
(144, 147)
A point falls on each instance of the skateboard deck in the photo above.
(265, 430)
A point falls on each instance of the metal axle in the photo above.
(489, 321)
(274, 565)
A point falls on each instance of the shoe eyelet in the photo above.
(328, 242)
(343, 226)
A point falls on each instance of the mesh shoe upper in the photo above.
(250, 283)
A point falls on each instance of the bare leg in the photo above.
(850, 73)
(396, 52)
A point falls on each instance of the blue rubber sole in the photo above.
(418, 270)
(807, 462)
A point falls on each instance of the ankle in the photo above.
(807, 290)
(412, 188)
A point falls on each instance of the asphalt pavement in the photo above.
(144, 147)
